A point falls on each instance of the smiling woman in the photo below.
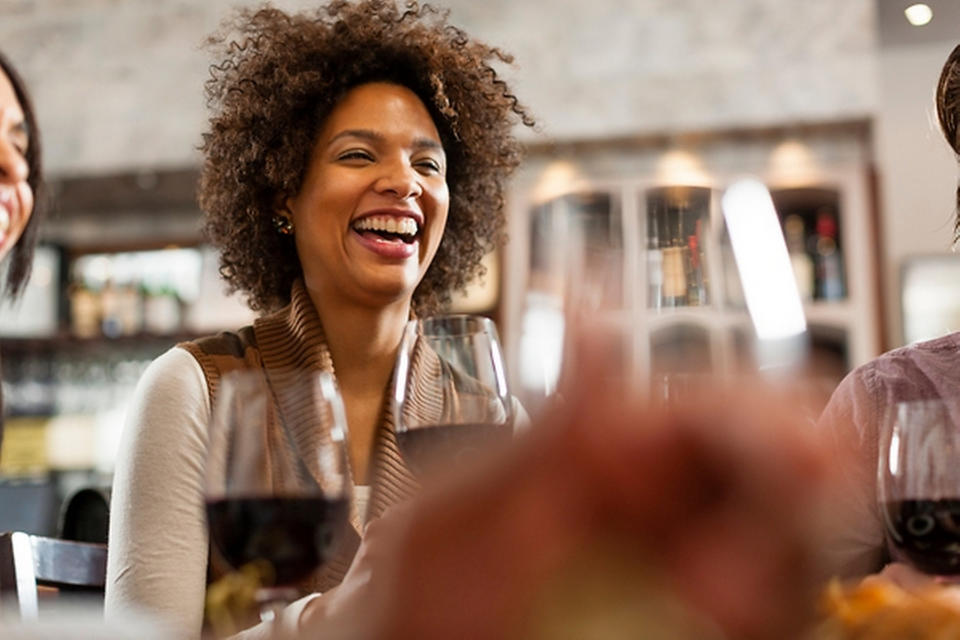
(19, 177)
(272, 92)
(20, 185)
(354, 172)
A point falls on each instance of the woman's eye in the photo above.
(355, 154)
(19, 147)
(429, 164)
(19, 139)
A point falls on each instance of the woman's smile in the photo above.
(16, 195)
(6, 213)
(391, 233)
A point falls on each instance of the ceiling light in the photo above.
(678, 166)
(792, 162)
(918, 14)
(559, 178)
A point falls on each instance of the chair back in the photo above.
(29, 562)
(85, 516)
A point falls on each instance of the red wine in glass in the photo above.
(425, 447)
(277, 478)
(294, 536)
(925, 534)
(918, 490)
(450, 396)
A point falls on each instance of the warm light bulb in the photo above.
(792, 162)
(678, 166)
(918, 14)
(558, 179)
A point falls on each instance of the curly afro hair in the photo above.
(279, 78)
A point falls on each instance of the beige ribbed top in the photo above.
(158, 545)
(158, 549)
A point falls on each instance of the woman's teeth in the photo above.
(406, 227)
(4, 220)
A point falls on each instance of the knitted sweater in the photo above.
(158, 550)
(284, 346)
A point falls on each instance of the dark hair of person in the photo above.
(21, 256)
(279, 77)
(948, 112)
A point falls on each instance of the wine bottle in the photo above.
(829, 263)
(654, 260)
(794, 233)
(674, 258)
(696, 275)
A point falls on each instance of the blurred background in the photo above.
(648, 109)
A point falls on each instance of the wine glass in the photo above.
(451, 398)
(277, 480)
(919, 485)
(575, 285)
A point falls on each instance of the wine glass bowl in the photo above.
(919, 485)
(278, 480)
(451, 398)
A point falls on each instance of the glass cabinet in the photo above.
(676, 292)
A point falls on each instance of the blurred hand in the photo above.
(350, 610)
(604, 507)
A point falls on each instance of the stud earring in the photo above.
(284, 226)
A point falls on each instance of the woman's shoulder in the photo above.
(921, 370)
(937, 353)
(171, 403)
(945, 345)
(228, 350)
(224, 343)
(174, 372)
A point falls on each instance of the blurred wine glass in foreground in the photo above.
(278, 482)
(451, 397)
(575, 285)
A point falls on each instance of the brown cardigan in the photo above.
(283, 345)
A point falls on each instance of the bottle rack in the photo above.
(680, 293)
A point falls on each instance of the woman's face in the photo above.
(16, 196)
(372, 208)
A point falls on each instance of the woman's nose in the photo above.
(400, 179)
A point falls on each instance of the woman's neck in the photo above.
(363, 343)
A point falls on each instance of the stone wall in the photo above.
(118, 83)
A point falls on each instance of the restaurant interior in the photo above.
(647, 112)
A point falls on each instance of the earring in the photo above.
(284, 226)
